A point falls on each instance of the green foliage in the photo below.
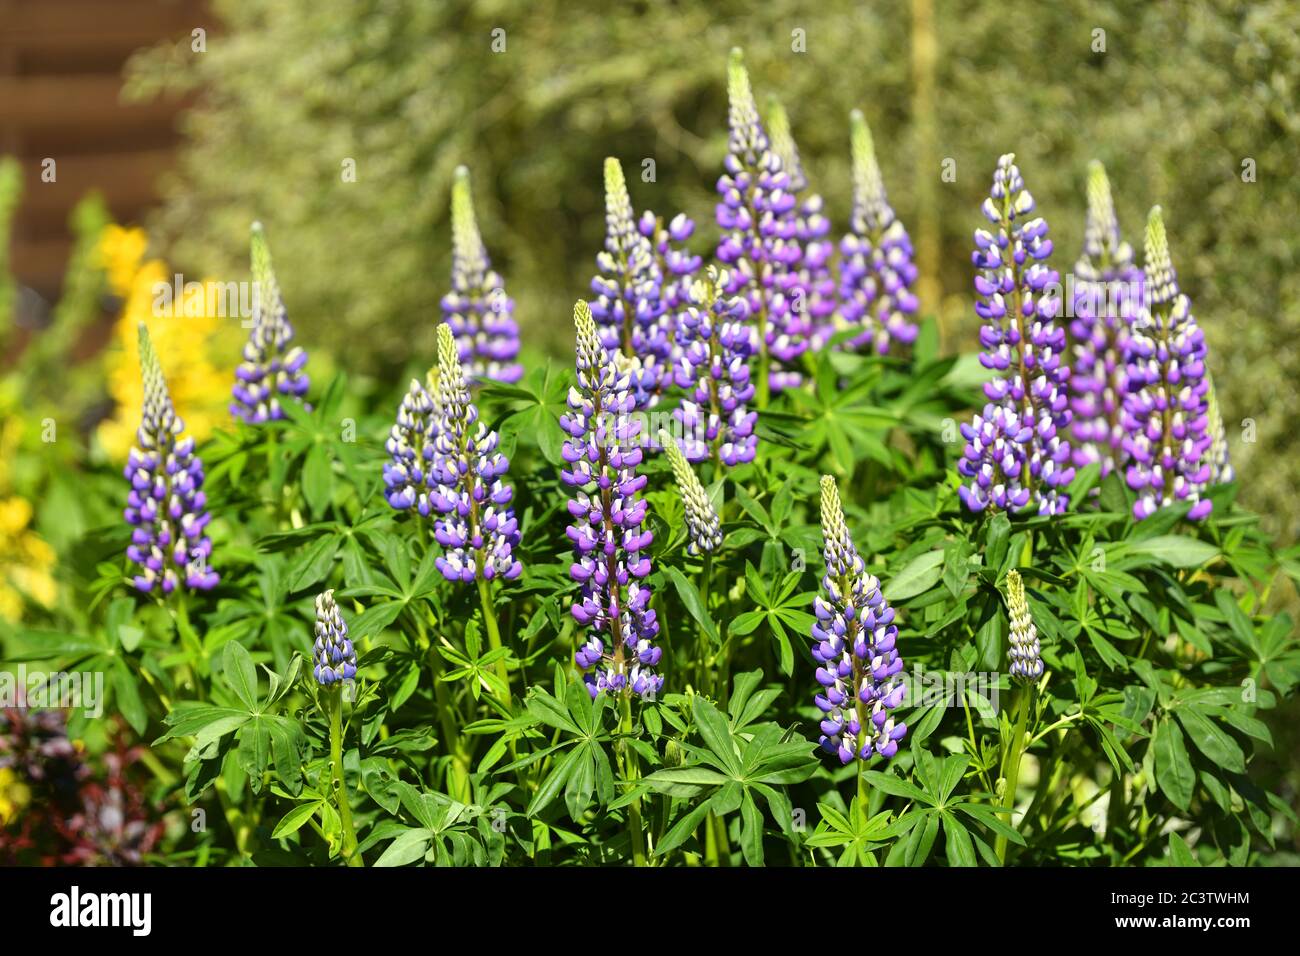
(1162, 663)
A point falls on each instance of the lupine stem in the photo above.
(334, 704)
(493, 632)
(706, 575)
(864, 793)
(1011, 766)
(458, 778)
(630, 774)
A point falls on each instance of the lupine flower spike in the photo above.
(272, 366)
(757, 215)
(1166, 415)
(876, 267)
(855, 638)
(1017, 453)
(705, 532)
(1025, 654)
(716, 345)
(476, 525)
(813, 299)
(628, 307)
(166, 507)
(602, 453)
(335, 657)
(408, 477)
(1107, 296)
(477, 308)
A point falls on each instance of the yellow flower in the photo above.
(120, 251)
(26, 561)
(197, 349)
(14, 795)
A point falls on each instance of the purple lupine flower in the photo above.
(876, 267)
(994, 460)
(716, 346)
(602, 453)
(855, 637)
(1018, 442)
(1106, 300)
(477, 308)
(759, 221)
(476, 525)
(166, 507)
(334, 656)
(408, 477)
(272, 366)
(1166, 416)
(678, 267)
(812, 284)
(628, 307)
(677, 264)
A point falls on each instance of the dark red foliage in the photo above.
(79, 812)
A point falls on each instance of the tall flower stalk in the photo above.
(477, 308)
(272, 366)
(408, 477)
(336, 664)
(476, 525)
(854, 639)
(716, 345)
(811, 286)
(1166, 411)
(1107, 296)
(602, 453)
(876, 268)
(629, 308)
(758, 217)
(1017, 452)
(166, 507)
(1026, 667)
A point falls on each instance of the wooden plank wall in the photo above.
(60, 82)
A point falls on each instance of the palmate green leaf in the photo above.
(957, 842)
(555, 782)
(1211, 739)
(918, 576)
(1179, 853)
(1176, 550)
(1174, 772)
(240, 674)
(295, 819)
(126, 695)
(317, 478)
(889, 783)
(717, 736)
(410, 846)
(694, 604)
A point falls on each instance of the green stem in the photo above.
(1011, 767)
(706, 576)
(764, 365)
(630, 774)
(458, 776)
(864, 793)
(493, 632)
(334, 704)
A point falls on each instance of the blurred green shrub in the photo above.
(1182, 96)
